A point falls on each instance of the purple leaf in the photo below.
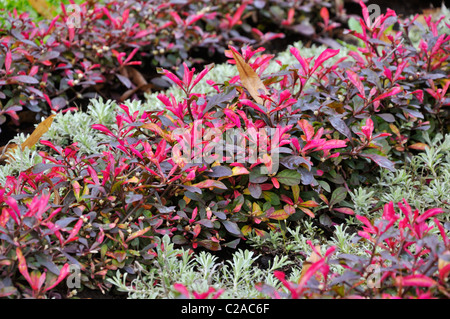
(380, 160)
(24, 79)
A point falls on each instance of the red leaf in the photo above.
(237, 15)
(325, 15)
(8, 60)
(429, 213)
(444, 272)
(138, 233)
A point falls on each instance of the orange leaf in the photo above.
(307, 212)
(280, 214)
(38, 132)
(314, 257)
(138, 233)
(249, 79)
(418, 146)
(309, 203)
(324, 198)
(210, 183)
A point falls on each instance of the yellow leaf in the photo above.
(38, 132)
(394, 129)
(441, 262)
(296, 192)
(256, 209)
(280, 214)
(246, 230)
(249, 79)
(237, 170)
(43, 8)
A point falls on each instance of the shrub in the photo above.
(259, 153)
(409, 259)
(65, 61)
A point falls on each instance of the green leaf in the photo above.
(271, 197)
(354, 25)
(179, 240)
(289, 177)
(338, 195)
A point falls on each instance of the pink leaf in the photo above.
(294, 51)
(429, 213)
(345, 210)
(8, 60)
(102, 128)
(393, 91)
(23, 268)
(181, 289)
(368, 129)
(74, 232)
(354, 78)
(417, 280)
(325, 55)
(332, 144)
(233, 117)
(62, 274)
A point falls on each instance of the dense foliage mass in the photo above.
(257, 154)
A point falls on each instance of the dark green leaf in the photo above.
(338, 195)
(289, 177)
